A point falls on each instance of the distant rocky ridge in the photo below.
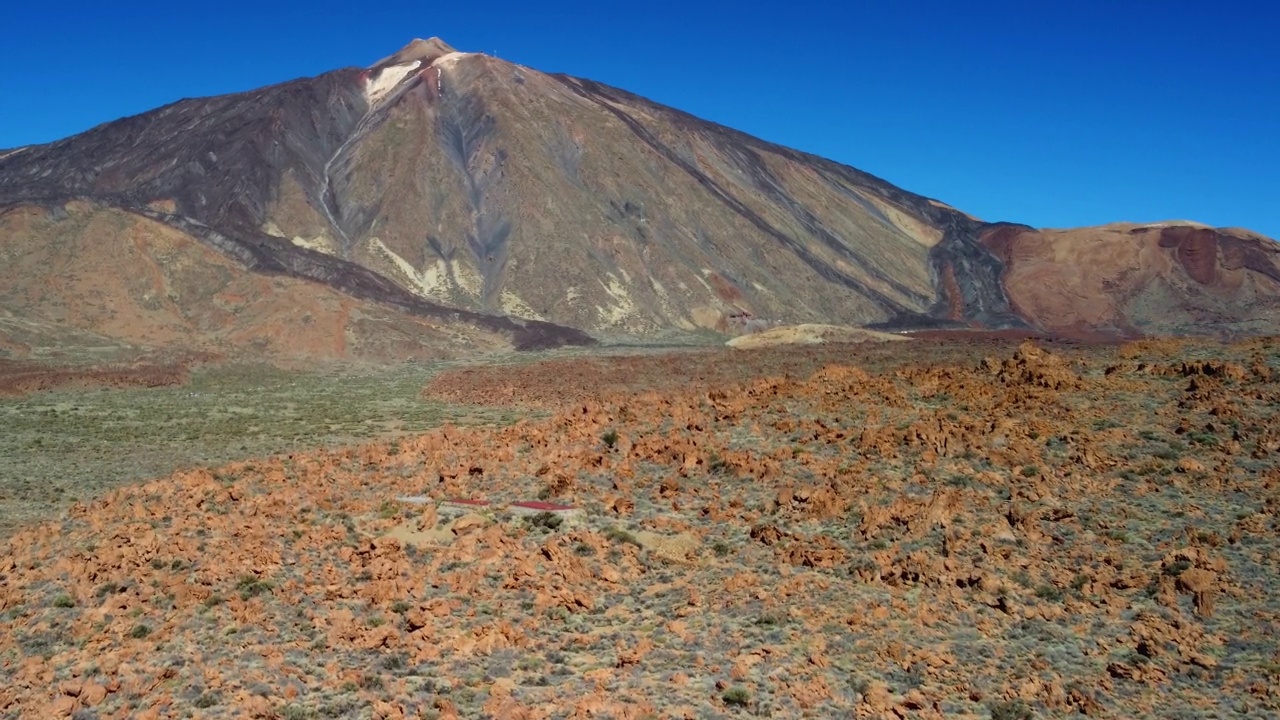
(513, 207)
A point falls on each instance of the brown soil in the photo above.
(956, 530)
(24, 378)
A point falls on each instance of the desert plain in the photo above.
(962, 525)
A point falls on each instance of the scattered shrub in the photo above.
(717, 465)
(546, 521)
(621, 536)
(251, 586)
(736, 697)
(1011, 710)
(1049, 592)
(296, 712)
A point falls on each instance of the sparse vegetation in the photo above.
(736, 697)
(902, 558)
(252, 586)
(546, 521)
(619, 535)
(223, 413)
(1011, 710)
(610, 438)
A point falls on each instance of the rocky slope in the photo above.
(1126, 279)
(136, 283)
(965, 533)
(439, 179)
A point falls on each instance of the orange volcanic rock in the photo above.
(930, 527)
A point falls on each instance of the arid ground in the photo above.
(984, 528)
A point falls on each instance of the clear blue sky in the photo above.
(1050, 113)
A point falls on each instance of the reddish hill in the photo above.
(1140, 279)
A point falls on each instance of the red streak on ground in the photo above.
(549, 507)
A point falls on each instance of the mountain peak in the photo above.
(425, 51)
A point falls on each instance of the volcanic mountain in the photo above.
(441, 200)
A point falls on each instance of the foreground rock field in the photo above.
(978, 529)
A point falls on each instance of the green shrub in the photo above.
(296, 712)
(64, 601)
(250, 586)
(1049, 592)
(546, 521)
(717, 465)
(736, 697)
(622, 536)
(610, 438)
(1011, 710)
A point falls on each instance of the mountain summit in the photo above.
(441, 197)
(424, 51)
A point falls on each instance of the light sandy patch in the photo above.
(682, 548)
(409, 533)
(431, 281)
(467, 278)
(812, 334)
(387, 79)
(513, 305)
(937, 203)
(448, 60)
(707, 317)
(909, 225)
(706, 284)
(623, 306)
(1177, 223)
(319, 243)
(658, 288)
(669, 311)
(6, 153)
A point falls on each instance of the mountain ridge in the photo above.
(458, 186)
